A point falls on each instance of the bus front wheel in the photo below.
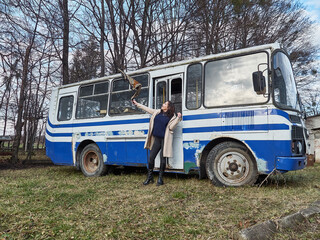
(230, 164)
(91, 161)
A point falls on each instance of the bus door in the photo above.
(170, 88)
(65, 115)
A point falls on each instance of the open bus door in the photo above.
(170, 89)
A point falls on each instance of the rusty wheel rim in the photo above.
(91, 161)
(233, 167)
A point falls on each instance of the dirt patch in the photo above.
(5, 164)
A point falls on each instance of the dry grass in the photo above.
(60, 203)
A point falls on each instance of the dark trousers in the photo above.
(157, 146)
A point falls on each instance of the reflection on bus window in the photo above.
(194, 86)
(93, 100)
(65, 108)
(161, 94)
(120, 102)
(229, 81)
(285, 91)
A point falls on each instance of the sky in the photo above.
(313, 7)
(313, 10)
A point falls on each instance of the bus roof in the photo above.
(179, 63)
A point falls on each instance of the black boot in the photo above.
(149, 177)
(160, 180)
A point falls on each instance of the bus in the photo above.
(241, 113)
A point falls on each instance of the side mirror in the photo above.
(259, 82)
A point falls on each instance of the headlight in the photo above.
(299, 146)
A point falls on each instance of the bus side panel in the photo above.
(126, 153)
(116, 153)
(60, 153)
(266, 152)
(103, 148)
(192, 154)
(136, 154)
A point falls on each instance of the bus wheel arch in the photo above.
(90, 159)
(80, 148)
(205, 152)
(214, 163)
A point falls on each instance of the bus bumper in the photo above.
(291, 163)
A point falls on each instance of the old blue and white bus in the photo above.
(241, 117)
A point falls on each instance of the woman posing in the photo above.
(160, 136)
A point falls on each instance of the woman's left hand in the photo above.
(179, 115)
(134, 101)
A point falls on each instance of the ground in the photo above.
(43, 201)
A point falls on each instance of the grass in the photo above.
(57, 202)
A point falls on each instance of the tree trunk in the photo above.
(22, 97)
(102, 22)
(65, 51)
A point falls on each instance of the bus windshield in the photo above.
(284, 86)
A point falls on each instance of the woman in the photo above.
(160, 136)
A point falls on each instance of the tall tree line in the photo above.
(47, 43)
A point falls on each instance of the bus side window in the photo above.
(176, 94)
(120, 101)
(65, 108)
(228, 82)
(93, 100)
(194, 86)
(162, 94)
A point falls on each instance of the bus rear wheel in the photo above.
(91, 161)
(230, 164)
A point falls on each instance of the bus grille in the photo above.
(297, 132)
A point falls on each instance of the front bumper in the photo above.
(290, 163)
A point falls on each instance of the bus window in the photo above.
(176, 94)
(161, 94)
(194, 86)
(120, 102)
(65, 108)
(93, 100)
(229, 81)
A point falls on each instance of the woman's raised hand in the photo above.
(179, 115)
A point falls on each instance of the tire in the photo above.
(91, 161)
(230, 164)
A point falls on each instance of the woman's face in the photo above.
(164, 107)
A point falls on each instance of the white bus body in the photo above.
(232, 129)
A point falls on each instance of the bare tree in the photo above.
(57, 16)
(102, 29)
(25, 56)
(65, 52)
(27, 46)
(86, 62)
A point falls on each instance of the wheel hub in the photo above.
(233, 167)
(91, 161)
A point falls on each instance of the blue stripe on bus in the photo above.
(249, 113)
(257, 127)
(83, 134)
(104, 123)
(201, 116)
(58, 134)
(236, 128)
(279, 112)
